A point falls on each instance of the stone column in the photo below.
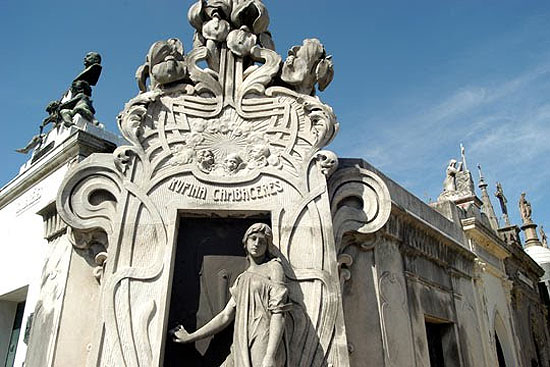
(531, 237)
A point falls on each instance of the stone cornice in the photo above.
(80, 143)
(419, 238)
(485, 237)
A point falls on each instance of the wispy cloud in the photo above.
(504, 125)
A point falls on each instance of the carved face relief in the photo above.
(206, 157)
(206, 160)
(232, 163)
(256, 245)
(327, 161)
(258, 154)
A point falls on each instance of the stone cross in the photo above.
(503, 201)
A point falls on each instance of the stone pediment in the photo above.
(225, 125)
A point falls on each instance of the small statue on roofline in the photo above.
(458, 181)
(75, 101)
(525, 209)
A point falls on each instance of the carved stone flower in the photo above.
(294, 70)
(169, 71)
(241, 41)
(275, 160)
(216, 29)
(307, 65)
(224, 127)
(256, 138)
(251, 13)
(204, 10)
(166, 63)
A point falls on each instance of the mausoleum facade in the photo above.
(220, 232)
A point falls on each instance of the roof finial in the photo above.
(488, 208)
(503, 201)
(543, 237)
(481, 178)
(463, 154)
(525, 209)
(528, 227)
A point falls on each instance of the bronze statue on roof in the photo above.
(75, 101)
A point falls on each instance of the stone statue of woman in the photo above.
(449, 184)
(525, 209)
(258, 304)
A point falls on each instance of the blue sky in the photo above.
(413, 79)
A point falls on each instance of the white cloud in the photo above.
(505, 127)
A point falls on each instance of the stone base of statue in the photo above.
(531, 236)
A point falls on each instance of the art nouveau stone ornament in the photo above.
(360, 205)
(308, 65)
(241, 136)
(163, 65)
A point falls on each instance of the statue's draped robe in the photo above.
(257, 298)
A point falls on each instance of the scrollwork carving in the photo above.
(256, 79)
(205, 81)
(345, 261)
(323, 121)
(360, 202)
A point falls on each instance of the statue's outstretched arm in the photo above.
(214, 326)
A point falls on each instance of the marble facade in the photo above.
(135, 245)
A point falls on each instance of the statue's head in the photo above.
(261, 233)
(92, 58)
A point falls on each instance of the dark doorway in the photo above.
(500, 353)
(434, 333)
(209, 257)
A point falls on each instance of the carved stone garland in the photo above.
(243, 134)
